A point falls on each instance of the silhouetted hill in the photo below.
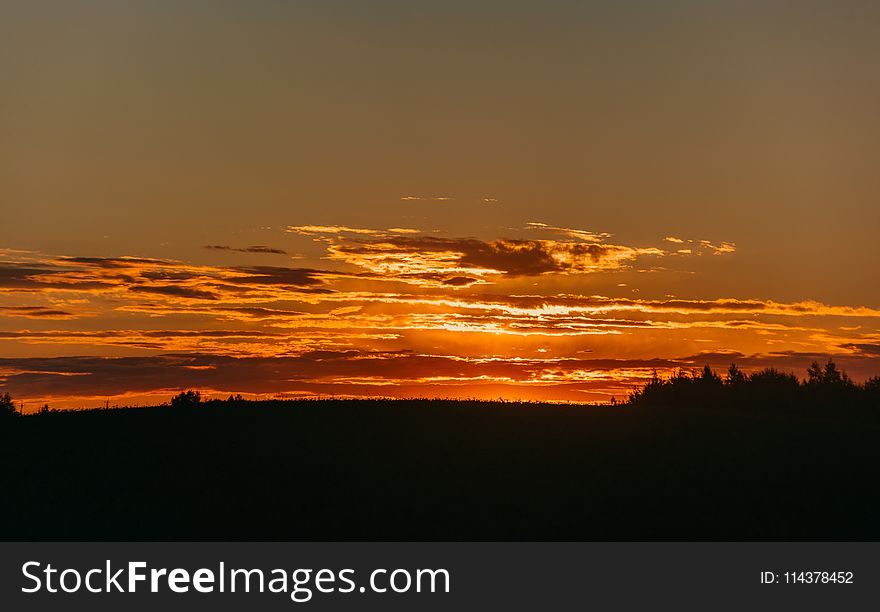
(439, 470)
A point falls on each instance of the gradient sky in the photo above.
(541, 200)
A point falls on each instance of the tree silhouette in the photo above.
(829, 375)
(186, 399)
(773, 378)
(709, 377)
(872, 388)
(7, 406)
(735, 376)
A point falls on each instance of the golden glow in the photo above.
(313, 331)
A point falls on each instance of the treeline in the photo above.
(8, 409)
(190, 401)
(824, 389)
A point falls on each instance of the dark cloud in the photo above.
(511, 257)
(23, 276)
(264, 313)
(34, 312)
(158, 277)
(535, 257)
(250, 249)
(20, 275)
(117, 262)
(864, 348)
(95, 376)
(459, 281)
(29, 277)
(167, 275)
(126, 333)
(678, 306)
(175, 291)
(208, 333)
(272, 275)
(400, 373)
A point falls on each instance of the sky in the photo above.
(520, 200)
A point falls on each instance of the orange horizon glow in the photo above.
(395, 314)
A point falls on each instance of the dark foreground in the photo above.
(419, 470)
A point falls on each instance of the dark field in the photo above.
(438, 470)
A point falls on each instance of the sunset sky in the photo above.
(527, 200)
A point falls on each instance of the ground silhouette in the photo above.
(695, 457)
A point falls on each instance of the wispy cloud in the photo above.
(250, 249)
(579, 234)
(414, 198)
(318, 230)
